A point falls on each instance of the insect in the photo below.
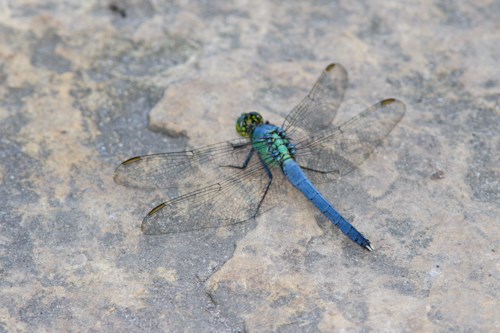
(234, 181)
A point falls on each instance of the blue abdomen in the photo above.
(297, 177)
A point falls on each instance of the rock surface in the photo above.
(85, 85)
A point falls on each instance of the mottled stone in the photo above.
(87, 84)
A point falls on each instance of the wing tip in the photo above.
(389, 101)
(398, 107)
(338, 67)
(146, 226)
(330, 67)
(118, 175)
(131, 160)
(116, 178)
(145, 229)
(156, 209)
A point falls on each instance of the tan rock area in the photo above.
(85, 85)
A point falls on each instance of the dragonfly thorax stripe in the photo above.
(273, 145)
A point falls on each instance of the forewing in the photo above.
(338, 150)
(187, 169)
(238, 198)
(317, 110)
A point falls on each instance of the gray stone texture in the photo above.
(86, 84)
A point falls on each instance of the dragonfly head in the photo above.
(247, 122)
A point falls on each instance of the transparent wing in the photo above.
(184, 170)
(338, 150)
(317, 110)
(242, 195)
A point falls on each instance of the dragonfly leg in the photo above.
(245, 163)
(270, 175)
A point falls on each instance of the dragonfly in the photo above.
(235, 181)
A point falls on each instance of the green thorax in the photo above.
(272, 144)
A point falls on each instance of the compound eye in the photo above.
(256, 118)
(241, 125)
(247, 122)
